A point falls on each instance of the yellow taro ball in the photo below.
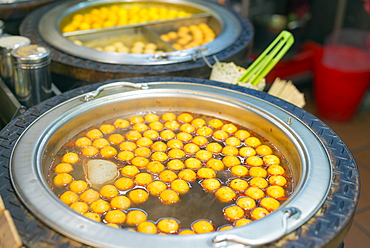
(270, 204)
(120, 202)
(204, 131)
(80, 207)
(159, 146)
(100, 206)
(115, 216)
(147, 227)
(253, 142)
(70, 158)
(156, 126)
(130, 170)
(138, 196)
(90, 151)
(238, 184)
(263, 150)
(128, 146)
(185, 117)
(230, 150)
(254, 193)
(140, 162)
(63, 168)
(68, 197)
(242, 222)
(83, 141)
(140, 127)
(271, 160)
(193, 163)
(120, 123)
(124, 183)
(230, 161)
(143, 179)
(151, 117)
(180, 186)
(215, 123)
(233, 213)
(143, 152)
(187, 128)
(191, 148)
(93, 216)
(278, 180)
(258, 213)
(159, 156)
(151, 134)
(78, 186)
(169, 196)
(247, 151)
(175, 165)
(62, 179)
(200, 141)
(185, 137)
(136, 119)
(203, 173)
(168, 225)
(168, 117)
(145, 142)
(155, 167)
(225, 194)
(94, 134)
(257, 172)
(167, 134)
(215, 164)
(108, 191)
(229, 128)
(156, 187)
(254, 161)
(198, 122)
(239, 171)
(133, 135)
(188, 175)
(116, 139)
(275, 170)
(211, 184)
(242, 134)
(202, 226)
(100, 143)
(233, 141)
(107, 128)
(175, 144)
(258, 182)
(203, 155)
(126, 155)
(176, 153)
(135, 217)
(246, 203)
(108, 152)
(167, 176)
(275, 191)
(214, 147)
(89, 196)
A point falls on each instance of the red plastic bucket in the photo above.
(341, 79)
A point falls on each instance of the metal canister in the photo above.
(7, 45)
(32, 77)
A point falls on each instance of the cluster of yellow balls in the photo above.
(105, 17)
(161, 156)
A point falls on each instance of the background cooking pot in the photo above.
(309, 226)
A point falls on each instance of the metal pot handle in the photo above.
(91, 95)
(222, 240)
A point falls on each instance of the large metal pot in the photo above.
(307, 143)
(234, 36)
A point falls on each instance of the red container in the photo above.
(341, 79)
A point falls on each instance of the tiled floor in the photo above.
(356, 134)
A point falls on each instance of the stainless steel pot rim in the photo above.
(49, 28)
(32, 189)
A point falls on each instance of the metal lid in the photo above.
(9, 43)
(31, 55)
